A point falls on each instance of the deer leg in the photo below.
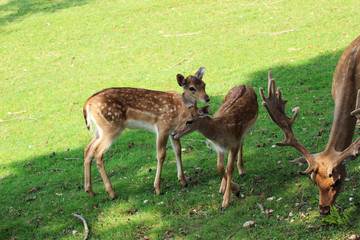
(229, 171)
(240, 163)
(161, 153)
(221, 169)
(88, 155)
(99, 152)
(177, 150)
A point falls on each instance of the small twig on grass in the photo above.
(181, 35)
(179, 63)
(20, 118)
(286, 31)
(231, 235)
(85, 225)
(16, 113)
(15, 119)
(46, 142)
(195, 140)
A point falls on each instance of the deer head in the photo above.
(194, 87)
(326, 168)
(192, 116)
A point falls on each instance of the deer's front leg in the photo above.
(161, 153)
(177, 150)
(221, 169)
(229, 172)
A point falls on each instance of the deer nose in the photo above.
(206, 98)
(324, 210)
(173, 134)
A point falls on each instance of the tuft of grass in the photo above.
(55, 54)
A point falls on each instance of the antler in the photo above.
(275, 106)
(353, 150)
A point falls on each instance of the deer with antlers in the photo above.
(226, 130)
(112, 110)
(326, 168)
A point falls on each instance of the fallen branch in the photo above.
(85, 225)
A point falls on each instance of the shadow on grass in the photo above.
(37, 201)
(16, 10)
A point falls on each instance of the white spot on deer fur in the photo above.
(109, 113)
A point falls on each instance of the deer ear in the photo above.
(200, 73)
(204, 111)
(181, 80)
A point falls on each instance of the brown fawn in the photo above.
(226, 130)
(112, 110)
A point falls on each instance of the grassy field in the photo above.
(54, 54)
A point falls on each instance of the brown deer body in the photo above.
(112, 110)
(226, 130)
(325, 168)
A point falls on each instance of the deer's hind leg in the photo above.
(161, 142)
(229, 172)
(88, 156)
(100, 147)
(240, 163)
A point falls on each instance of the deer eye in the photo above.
(189, 122)
(192, 89)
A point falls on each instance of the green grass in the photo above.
(55, 54)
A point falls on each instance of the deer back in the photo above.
(134, 108)
(238, 108)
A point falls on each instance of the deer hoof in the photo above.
(157, 191)
(91, 193)
(112, 195)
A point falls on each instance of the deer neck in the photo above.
(344, 90)
(210, 128)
